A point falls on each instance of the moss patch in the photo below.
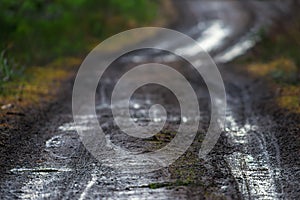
(281, 70)
(290, 98)
(30, 93)
(37, 83)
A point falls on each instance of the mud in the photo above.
(255, 158)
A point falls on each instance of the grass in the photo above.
(46, 38)
(36, 31)
(282, 70)
(38, 82)
(277, 58)
(43, 42)
(8, 69)
(36, 87)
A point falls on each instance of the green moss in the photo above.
(161, 139)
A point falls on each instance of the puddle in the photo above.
(35, 188)
(41, 170)
(214, 35)
(237, 50)
(84, 124)
(211, 38)
(125, 160)
(255, 174)
(40, 182)
(73, 127)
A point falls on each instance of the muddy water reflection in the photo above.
(251, 166)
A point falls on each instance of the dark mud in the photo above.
(255, 158)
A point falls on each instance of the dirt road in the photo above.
(255, 157)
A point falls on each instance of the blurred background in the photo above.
(38, 32)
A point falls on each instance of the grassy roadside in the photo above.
(22, 66)
(277, 59)
(35, 62)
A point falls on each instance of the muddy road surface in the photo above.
(256, 156)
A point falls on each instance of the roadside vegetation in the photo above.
(40, 39)
(43, 42)
(277, 58)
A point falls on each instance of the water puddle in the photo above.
(41, 182)
(212, 35)
(251, 167)
(84, 124)
(211, 38)
(237, 50)
(241, 47)
(40, 170)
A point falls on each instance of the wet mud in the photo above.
(255, 157)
